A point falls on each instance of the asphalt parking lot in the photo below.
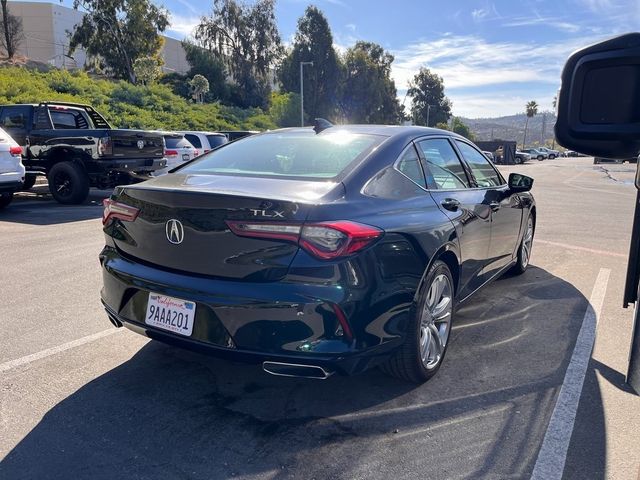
(81, 399)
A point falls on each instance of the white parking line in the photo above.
(553, 453)
(582, 249)
(11, 364)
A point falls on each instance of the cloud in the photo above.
(183, 26)
(543, 21)
(351, 26)
(479, 14)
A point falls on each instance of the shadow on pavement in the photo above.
(168, 413)
(37, 207)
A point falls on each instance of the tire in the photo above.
(420, 356)
(518, 160)
(540, 157)
(68, 183)
(29, 182)
(551, 157)
(524, 250)
(5, 199)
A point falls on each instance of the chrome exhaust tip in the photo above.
(282, 369)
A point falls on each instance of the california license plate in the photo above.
(172, 314)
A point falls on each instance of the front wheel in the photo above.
(68, 183)
(524, 251)
(540, 157)
(551, 157)
(422, 353)
(5, 199)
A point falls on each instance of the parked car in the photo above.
(237, 134)
(76, 148)
(11, 168)
(522, 157)
(550, 153)
(489, 155)
(205, 141)
(316, 253)
(535, 153)
(177, 150)
(598, 160)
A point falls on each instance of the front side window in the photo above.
(409, 165)
(442, 166)
(16, 118)
(485, 175)
(291, 154)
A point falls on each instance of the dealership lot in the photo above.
(81, 399)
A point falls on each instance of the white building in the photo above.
(46, 40)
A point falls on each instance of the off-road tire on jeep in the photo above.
(68, 183)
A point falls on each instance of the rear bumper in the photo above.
(249, 322)
(135, 165)
(11, 183)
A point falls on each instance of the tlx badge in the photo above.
(266, 213)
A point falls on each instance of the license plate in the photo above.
(185, 156)
(170, 314)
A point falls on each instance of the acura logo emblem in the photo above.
(175, 231)
(140, 144)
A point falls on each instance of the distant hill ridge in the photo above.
(511, 127)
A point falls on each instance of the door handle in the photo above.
(450, 204)
(495, 206)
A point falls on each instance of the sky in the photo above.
(494, 56)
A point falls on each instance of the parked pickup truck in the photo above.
(76, 148)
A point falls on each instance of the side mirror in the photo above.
(598, 100)
(520, 183)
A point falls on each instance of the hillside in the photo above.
(512, 128)
(125, 105)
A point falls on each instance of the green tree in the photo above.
(285, 109)
(461, 128)
(430, 105)
(246, 38)
(368, 94)
(204, 62)
(120, 32)
(11, 32)
(146, 70)
(531, 109)
(199, 86)
(442, 126)
(313, 43)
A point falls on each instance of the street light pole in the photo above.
(302, 64)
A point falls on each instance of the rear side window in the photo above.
(292, 154)
(409, 165)
(16, 118)
(442, 166)
(193, 140)
(68, 119)
(217, 140)
(176, 142)
(485, 175)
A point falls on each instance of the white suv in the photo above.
(11, 168)
(205, 141)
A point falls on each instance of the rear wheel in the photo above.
(518, 160)
(5, 199)
(68, 183)
(29, 181)
(524, 251)
(422, 353)
(540, 157)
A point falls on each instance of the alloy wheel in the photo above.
(62, 184)
(527, 243)
(435, 321)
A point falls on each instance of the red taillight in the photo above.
(327, 240)
(113, 209)
(16, 150)
(171, 152)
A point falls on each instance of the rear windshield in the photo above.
(176, 142)
(194, 140)
(288, 154)
(217, 140)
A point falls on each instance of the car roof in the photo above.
(198, 132)
(397, 131)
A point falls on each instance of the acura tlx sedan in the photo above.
(314, 253)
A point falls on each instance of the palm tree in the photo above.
(530, 109)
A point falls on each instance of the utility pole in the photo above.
(544, 127)
(428, 113)
(302, 64)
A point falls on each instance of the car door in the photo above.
(506, 207)
(451, 187)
